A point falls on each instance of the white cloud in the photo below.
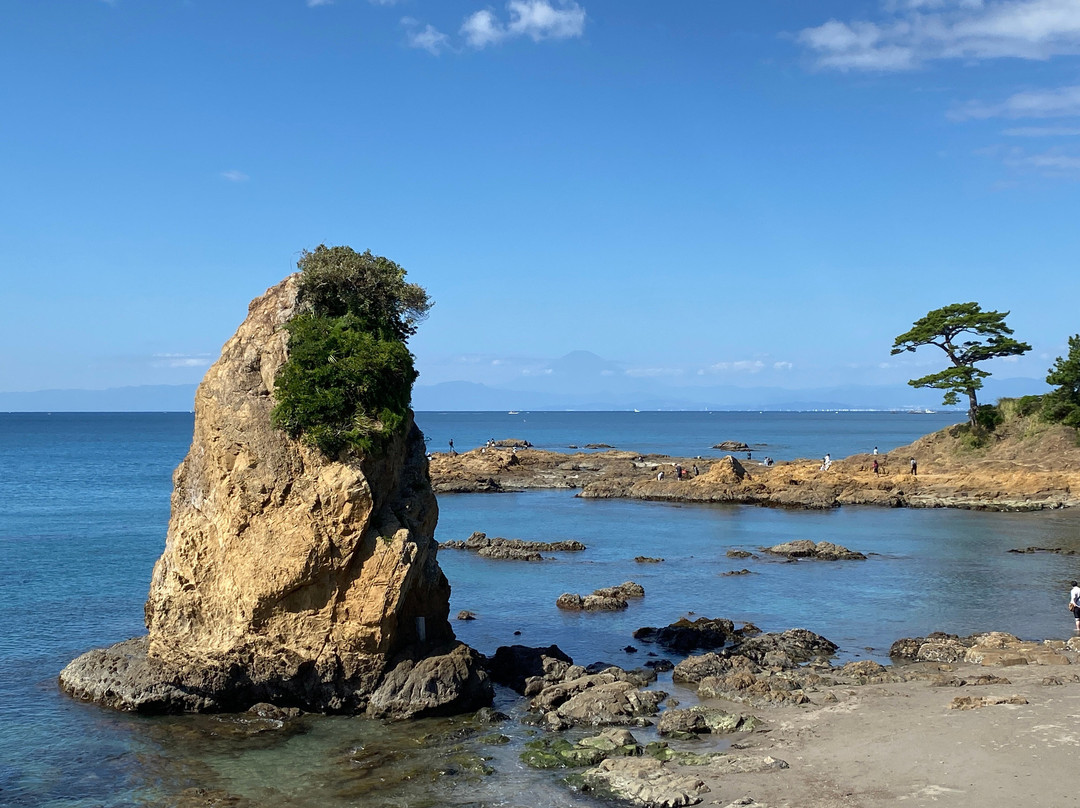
(535, 19)
(316, 3)
(1057, 103)
(1042, 131)
(782, 366)
(482, 29)
(740, 366)
(428, 38)
(233, 175)
(172, 360)
(918, 31)
(1053, 163)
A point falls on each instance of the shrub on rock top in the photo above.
(348, 380)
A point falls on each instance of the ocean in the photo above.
(84, 505)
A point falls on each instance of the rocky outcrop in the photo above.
(289, 577)
(528, 670)
(1026, 466)
(703, 720)
(684, 636)
(511, 549)
(611, 697)
(822, 551)
(993, 649)
(607, 599)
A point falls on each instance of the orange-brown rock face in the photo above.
(287, 576)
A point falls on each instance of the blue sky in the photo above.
(701, 193)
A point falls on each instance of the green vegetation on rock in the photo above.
(347, 383)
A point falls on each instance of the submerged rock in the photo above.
(287, 576)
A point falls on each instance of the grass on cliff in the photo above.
(1016, 426)
(347, 382)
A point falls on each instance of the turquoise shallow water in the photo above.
(84, 505)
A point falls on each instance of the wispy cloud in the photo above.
(1056, 103)
(1050, 163)
(1059, 163)
(739, 366)
(315, 3)
(911, 33)
(175, 360)
(536, 19)
(233, 175)
(428, 38)
(1042, 131)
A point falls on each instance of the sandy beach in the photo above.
(906, 743)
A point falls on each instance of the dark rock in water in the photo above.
(465, 614)
(498, 547)
(512, 443)
(273, 712)
(630, 649)
(510, 554)
(647, 560)
(731, 446)
(608, 599)
(598, 446)
(489, 715)
(823, 550)
(739, 554)
(512, 665)
(570, 601)
(660, 665)
(684, 636)
(729, 573)
(430, 685)
(1056, 550)
(125, 677)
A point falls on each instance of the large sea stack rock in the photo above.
(289, 577)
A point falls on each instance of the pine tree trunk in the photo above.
(973, 410)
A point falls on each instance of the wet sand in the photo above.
(901, 744)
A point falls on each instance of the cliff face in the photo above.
(287, 576)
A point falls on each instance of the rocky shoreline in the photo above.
(771, 705)
(1038, 475)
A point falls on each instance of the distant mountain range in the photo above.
(479, 397)
(144, 398)
(470, 396)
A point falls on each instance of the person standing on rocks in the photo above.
(875, 466)
(1074, 602)
(914, 468)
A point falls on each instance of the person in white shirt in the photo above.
(1074, 602)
